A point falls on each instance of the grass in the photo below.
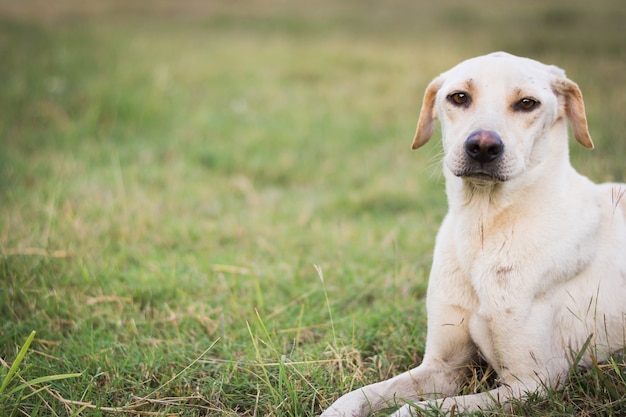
(211, 208)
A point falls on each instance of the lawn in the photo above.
(212, 208)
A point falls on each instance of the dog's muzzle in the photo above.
(484, 152)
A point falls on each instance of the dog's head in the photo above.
(498, 113)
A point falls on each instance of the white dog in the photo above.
(529, 266)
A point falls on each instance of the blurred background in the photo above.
(170, 172)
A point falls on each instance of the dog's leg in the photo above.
(521, 354)
(449, 347)
(474, 402)
(449, 350)
(404, 387)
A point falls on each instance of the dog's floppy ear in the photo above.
(426, 123)
(575, 110)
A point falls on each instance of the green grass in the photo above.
(175, 180)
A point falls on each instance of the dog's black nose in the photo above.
(484, 146)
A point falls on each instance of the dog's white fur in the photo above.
(529, 266)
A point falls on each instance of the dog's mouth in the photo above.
(481, 176)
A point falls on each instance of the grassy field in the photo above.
(211, 208)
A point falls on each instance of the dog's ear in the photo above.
(426, 123)
(575, 110)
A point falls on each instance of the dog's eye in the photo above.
(460, 98)
(526, 104)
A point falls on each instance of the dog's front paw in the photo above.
(352, 404)
(331, 412)
(334, 411)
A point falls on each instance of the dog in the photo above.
(529, 265)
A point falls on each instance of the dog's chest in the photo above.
(495, 256)
(491, 244)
